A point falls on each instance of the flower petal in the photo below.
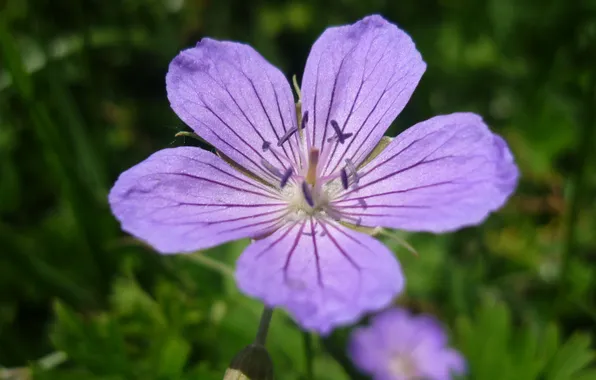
(441, 363)
(361, 76)
(235, 100)
(185, 199)
(324, 274)
(419, 342)
(440, 175)
(368, 350)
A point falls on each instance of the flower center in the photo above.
(303, 185)
(313, 195)
(305, 200)
(403, 367)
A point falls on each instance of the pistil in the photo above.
(313, 161)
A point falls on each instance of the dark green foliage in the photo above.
(82, 97)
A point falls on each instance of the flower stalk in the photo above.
(264, 326)
(253, 362)
(309, 355)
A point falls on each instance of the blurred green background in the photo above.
(82, 97)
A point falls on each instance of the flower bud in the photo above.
(252, 363)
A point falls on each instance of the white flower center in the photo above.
(299, 206)
(307, 191)
(403, 367)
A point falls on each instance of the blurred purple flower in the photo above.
(299, 181)
(400, 346)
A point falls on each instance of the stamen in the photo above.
(301, 137)
(291, 132)
(307, 194)
(313, 161)
(356, 221)
(336, 127)
(266, 145)
(268, 148)
(362, 203)
(304, 120)
(352, 168)
(339, 136)
(272, 169)
(287, 136)
(344, 178)
(286, 177)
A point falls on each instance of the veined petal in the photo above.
(185, 199)
(361, 76)
(324, 274)
(235, 100)
(440, 175)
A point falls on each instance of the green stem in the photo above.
(585, 145)
(264, 326)
(206, 261)
(308, 354)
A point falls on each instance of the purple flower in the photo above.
(399, 346)
(298, 182)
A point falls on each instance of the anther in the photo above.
(286, 177)
(344, 178)
(287, 136)
(339, 135)
(352, 168)
(304, 120)
(272, 169)
(307, 194)
(266, 145)
(362, 203)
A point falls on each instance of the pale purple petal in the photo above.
(440, 175)
(324, 274)
(367, 351)
(234, 99)
(418, 343)
(398, 322)
(185, 199)
(360, 75)
(446, 363)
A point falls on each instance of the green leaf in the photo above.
(549, 344)
(574, 356)
(495, 349)
(97, 342)
(173, 357)
(589, 374)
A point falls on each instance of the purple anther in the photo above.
(339, 135)
(285, 137)
(286, 177)
(344, 178)
(266, 145)
(307, 194)
(304, 120)
(362, 203)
